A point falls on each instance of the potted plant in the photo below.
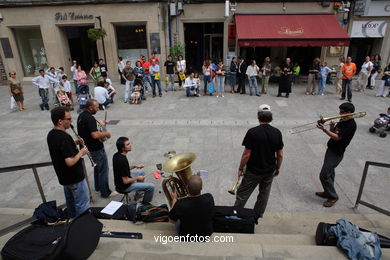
(96, 33)
(176, 50)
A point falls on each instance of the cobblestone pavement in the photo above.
(212, 128)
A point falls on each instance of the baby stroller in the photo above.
(83, 96)
(381, 124)
(138, 87)
(62, 97)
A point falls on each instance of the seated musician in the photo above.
(193, 215)
(126, 181)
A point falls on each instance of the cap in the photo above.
(264, 107)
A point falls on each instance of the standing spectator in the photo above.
(262, 156)
(155, 74)
(121, 66)
(138, 70)
(52, 74)
(285, 78)
(181, 68)
(103, 69)
(266, 73)
(207, 74)
(60, 73)
(128, 76)
(313, 77)
(376, 61)
(170, 71)
(253, 71)
(220, 79)
(348, 70)
(146, 76)
(16, 90)
(67, 162)
(324, 75)
(241, 75)
(154, 58)
(95, 73)
(296, 72)
(383, 89)
(365, 71)
(67, 88)
(73, 69)
(43, 83)
(81, 76)
(339, 76)
(233, 74)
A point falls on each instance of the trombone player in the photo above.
(340, 135)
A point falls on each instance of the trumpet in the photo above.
(323, 120)
(83, 144)
(237, 184)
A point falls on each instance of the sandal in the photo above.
(329, 203)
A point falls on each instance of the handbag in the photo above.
(157, 76)
(182, 76)
(166, 80)
(13, 103)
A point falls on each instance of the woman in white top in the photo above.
(364, 73)
(121, 66)
(339, 77)
(181, 67)
(253, 71)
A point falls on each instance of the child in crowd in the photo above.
(136, 95)
(324, 74)
(67, 88)
(63, 98)
(197, 80)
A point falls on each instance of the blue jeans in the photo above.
(189, 89)
(77, 198)
(171, 81)
(43, 93)
(76, 87)
(108, 101)
(154, 83)
(220, 82)
(322, 84)
(253, 85)
(147, 78)
(141, 186)
(206, 80)
(100, 172)
(128, 89)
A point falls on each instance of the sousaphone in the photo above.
(181, 165)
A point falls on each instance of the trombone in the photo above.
(323, 120)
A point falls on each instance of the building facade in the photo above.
(40, 34)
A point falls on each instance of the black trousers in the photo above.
(241, 84)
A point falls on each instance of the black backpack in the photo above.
(76, 239)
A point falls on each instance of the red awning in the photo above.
(289, 30)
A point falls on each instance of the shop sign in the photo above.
(72, 16)
(368, 29)
(291, 32)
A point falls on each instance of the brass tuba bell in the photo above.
(181, 165)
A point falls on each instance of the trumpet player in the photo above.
(340, 135)
(262, 156)
(67, 162)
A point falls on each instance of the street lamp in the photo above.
(104, 48)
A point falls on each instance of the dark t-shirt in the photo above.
(170, 65)
(103, 69)
(86, 124)
(263, 141)
(314, 67)
(121, 167)
(346, 130)
(195, 214)
(62, 146)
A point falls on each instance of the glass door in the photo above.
(213, 46)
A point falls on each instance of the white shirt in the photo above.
(121, 65)
(43, 82)
(181, 65)
(154, 69)
(67, 87)
(100, 94)
(73, 70)
(365, 66)
(189, 82)
(252, 71)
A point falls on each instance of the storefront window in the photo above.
(131, 40)
(31, 50)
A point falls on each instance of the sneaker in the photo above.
(113, 194)
(223, 96)
(41, 106)
(217, 96)
(322, 94)
(307, 93)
